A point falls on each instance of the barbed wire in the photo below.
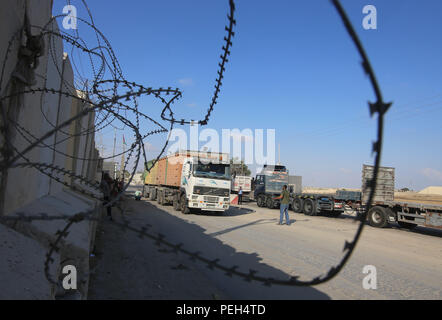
(107, 100)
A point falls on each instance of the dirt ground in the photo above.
(408, 262)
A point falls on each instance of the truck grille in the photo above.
(211, 199)
(220, 192)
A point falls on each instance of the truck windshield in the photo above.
(275, 184)
(220, 171)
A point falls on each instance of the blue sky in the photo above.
(294, 69)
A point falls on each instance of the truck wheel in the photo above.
(269, 202)
(260, 201)
(263, 201)
(176, 204)
(159, 197)
(377, 217)
(183, 203)
(152, 194)
(309, 207)
(407, 225)
(297, 205)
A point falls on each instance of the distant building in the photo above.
(111, 168)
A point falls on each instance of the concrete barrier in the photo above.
(24, 244)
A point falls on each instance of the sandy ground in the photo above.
(417, 197)
(408, 263)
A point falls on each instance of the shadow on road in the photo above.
(236, 211)
(129, 267)
(260, 221)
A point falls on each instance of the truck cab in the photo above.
(205, 184)
(268, 184)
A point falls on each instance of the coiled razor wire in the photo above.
(109, 105)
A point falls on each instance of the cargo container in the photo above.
(190, 181)
(243, 182)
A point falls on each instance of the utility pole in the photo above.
(101, 144)
(122, 161)
(115, 141)
(279, 154)
(113, 153)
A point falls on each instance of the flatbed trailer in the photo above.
(385, 209)
(407, 214)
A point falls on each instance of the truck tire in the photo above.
(309, 207)
(160, 198)
(152, 194)
(407, 225)
(176, 203)
(183, 203)
(270, 203)
(377, 217)
(260, 201)
(297, 205)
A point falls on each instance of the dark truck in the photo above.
(268, 185)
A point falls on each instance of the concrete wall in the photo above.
(23, 245)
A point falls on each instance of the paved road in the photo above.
(408, 263)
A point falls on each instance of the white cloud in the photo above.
(432, 173)
(186, 81)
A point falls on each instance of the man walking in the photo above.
(240, 196)
(284, 205)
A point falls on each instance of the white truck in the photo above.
(191, 181)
